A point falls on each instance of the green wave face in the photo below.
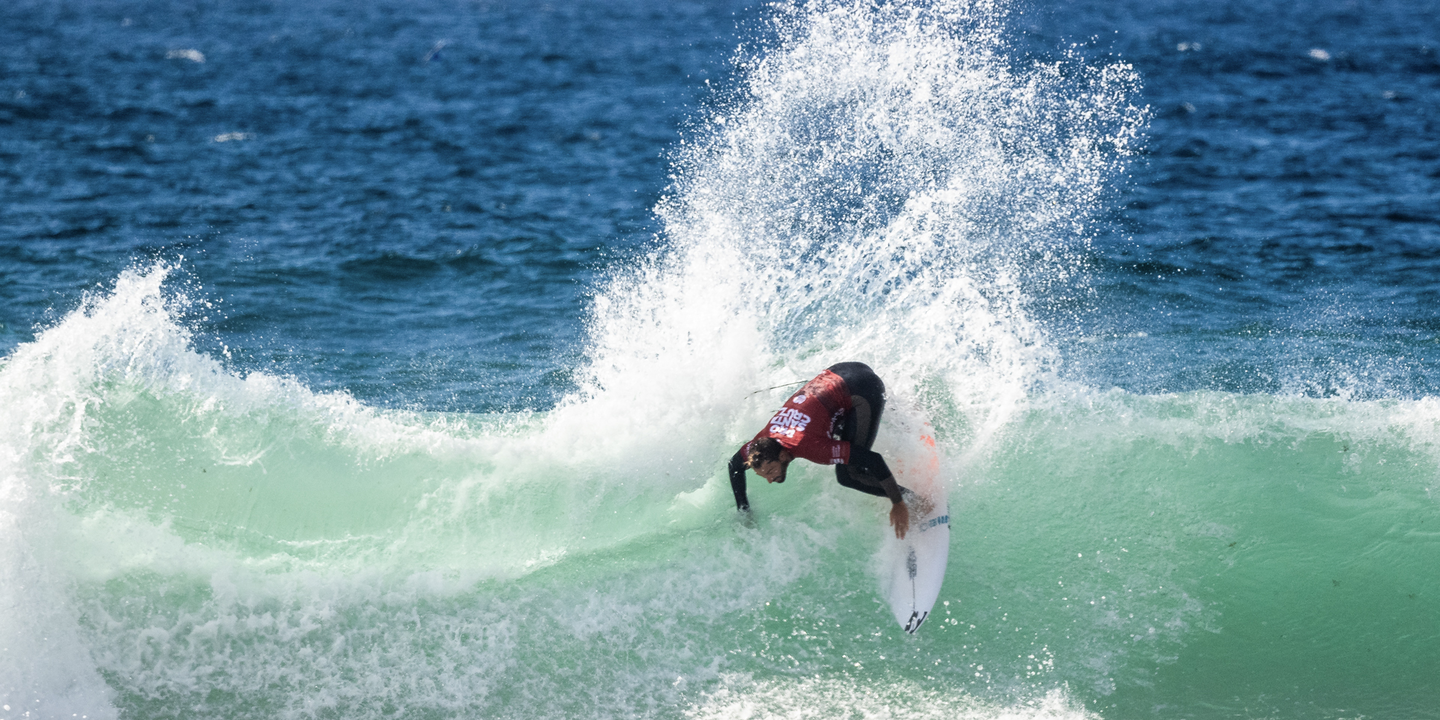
(246, 548)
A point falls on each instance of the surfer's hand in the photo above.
(747, 518)
(900, 519)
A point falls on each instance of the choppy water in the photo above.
(383, 361)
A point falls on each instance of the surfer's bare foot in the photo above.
(920, 503)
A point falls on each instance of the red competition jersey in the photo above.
(806, 424)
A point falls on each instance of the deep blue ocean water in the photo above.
(382, 359)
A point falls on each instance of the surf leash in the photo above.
(777, 387)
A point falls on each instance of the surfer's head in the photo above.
(769, 459)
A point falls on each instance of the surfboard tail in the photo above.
(916, 619)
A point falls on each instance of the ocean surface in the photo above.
(382, 359)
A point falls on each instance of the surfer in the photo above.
(832, 420)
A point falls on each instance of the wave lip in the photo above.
(885, 183)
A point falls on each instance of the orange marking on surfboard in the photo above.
(934, 464)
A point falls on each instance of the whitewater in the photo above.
(185, 536)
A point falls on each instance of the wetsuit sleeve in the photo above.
(869, 462)
(737, 480)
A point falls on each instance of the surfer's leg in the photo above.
(867, 397)
(857, 423)
(862, 424)
(865, 420)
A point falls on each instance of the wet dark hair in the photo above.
(762, 451)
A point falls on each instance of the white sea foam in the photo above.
(885, 186)
(190, 54)
(743, 697)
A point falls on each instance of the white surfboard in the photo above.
(913, 569)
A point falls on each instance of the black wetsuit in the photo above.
(858, 426)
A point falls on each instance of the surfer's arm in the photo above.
(737, 480)
(870, 462)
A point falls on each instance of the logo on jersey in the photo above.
(798, 399)
(787, 422)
